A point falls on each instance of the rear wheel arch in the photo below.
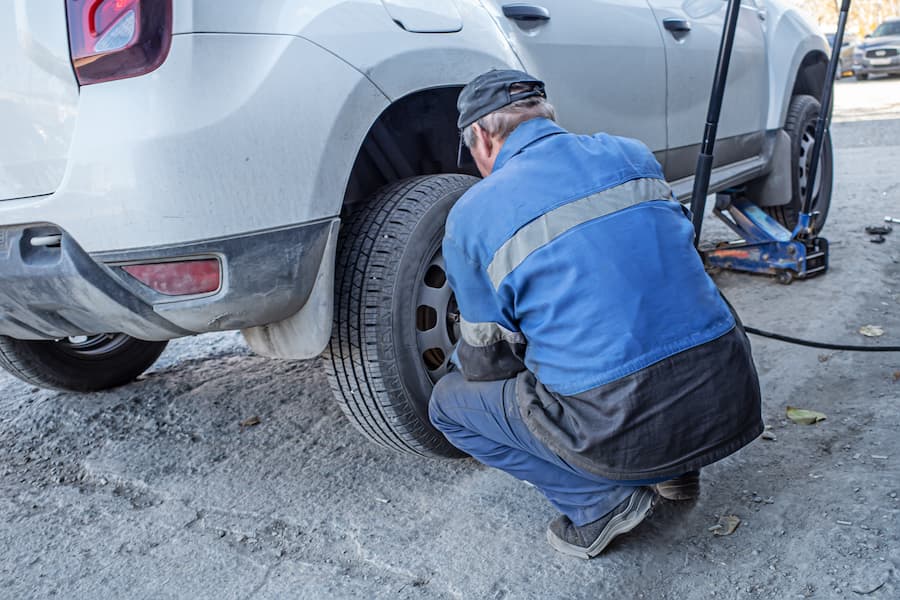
(415, 135)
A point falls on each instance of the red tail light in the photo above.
(115, 39)
(179, 278)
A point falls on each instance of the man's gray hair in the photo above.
(503, 121)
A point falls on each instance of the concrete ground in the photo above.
(155, 491)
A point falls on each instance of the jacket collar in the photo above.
(523, 136)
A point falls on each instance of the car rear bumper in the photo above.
(51, 292)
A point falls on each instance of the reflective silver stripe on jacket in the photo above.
(480, 335)
(551, 225)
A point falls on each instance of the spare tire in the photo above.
(79, 364)
(395, 319)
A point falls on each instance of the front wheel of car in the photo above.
(800, 125)
(395, 319)
(87, 363)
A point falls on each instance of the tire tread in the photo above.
(361, 364)
(787, 214)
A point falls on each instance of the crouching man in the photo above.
(598, 360)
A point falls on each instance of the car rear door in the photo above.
(38, 97)
(603, 62)
(692, 30)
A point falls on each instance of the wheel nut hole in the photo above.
(426, 318)
(433, 358)
(435, 277)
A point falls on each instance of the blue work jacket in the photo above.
(574, 270)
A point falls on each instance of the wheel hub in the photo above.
(437, 318)
(807, 141)
(91, 346)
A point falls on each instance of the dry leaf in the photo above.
(801, 416)
(871, 331)
(896, 375)
(864, 590)
(726, 525)
(250, 422)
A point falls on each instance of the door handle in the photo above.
(677, 25)
(530, 13)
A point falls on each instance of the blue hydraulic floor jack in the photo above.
(765, 246)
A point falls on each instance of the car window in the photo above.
(892, 28)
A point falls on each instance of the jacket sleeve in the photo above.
(490, 346)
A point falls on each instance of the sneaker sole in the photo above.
(639, 506)
(680, 488)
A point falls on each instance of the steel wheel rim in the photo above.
(807, 141)
(436, 318)
(92, 346)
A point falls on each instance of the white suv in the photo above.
(172, 167)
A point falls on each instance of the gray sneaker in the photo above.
(591, 539)
(684, 487)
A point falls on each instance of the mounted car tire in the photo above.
(394, 322)
(800, 125)
(83, 364)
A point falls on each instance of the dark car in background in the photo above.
(879, 52)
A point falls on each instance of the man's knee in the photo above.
(443, 397)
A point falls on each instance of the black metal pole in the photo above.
(705, 159)
(825, 107)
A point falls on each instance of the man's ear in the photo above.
(484, 138)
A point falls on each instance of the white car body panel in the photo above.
(363, 34)
(189, 111)
(237, 134)
(38, 97)
(154, 159)
(597, 100)
(691, 63)
(790, 37)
